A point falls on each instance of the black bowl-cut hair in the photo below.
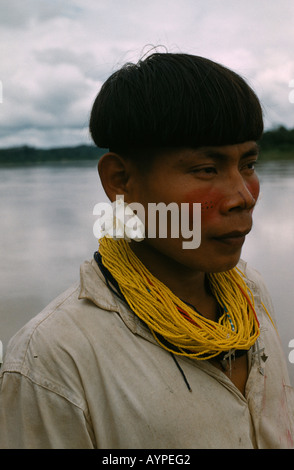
(174, 100)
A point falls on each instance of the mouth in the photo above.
(235, 238)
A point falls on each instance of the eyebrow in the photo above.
(254, 150)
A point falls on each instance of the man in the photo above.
(161, 345)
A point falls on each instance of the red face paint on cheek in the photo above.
(209, 203)
(254, 187)
(209, 207)
(211, 199)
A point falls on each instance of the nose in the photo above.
(238, 196)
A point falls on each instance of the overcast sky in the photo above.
(55, 54)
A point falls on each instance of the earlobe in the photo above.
(114, 174)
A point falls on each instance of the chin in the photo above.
(224, 265)
(212, 265)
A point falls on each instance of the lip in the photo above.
(235, 238)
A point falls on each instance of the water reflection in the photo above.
(46, 232)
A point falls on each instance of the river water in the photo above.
(46, 217)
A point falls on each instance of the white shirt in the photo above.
(86, 373)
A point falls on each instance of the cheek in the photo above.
(209, 203)
(254, 188)
(207, 207)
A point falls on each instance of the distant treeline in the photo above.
(275, 144)
(26, 155)
(279, 138)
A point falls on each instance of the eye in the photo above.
(249, 167)
(204, 171)
(209, 169)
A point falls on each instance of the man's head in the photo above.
(182, 129)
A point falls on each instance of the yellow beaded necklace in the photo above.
(185, 331)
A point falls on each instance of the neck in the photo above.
(189, 285)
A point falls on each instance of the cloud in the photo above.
(16, 14)
(57, 54)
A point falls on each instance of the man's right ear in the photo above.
(114, 172)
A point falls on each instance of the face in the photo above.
(224, 181)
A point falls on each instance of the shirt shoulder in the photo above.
(19, 345)
(54, 348)
(68, 341)
(256, 283)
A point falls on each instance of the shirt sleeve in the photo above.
(34, 417)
